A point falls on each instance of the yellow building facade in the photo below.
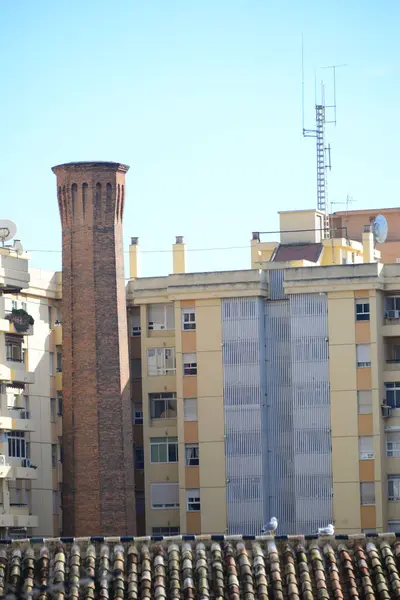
(269, 391)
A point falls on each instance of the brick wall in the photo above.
(98, 474)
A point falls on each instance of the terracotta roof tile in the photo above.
(234, 568)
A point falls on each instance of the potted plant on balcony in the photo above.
(20, 319)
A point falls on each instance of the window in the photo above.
(189, 364)
(54, 456)
(392, 307)
(61, 449)
(164, 450)
(393, 394)
(136, 369)
(137, 414)
(344, 260)
(353, 257)
(364, 401)
(14, 348)
(192, 455)
(139, 457)
(393, 444)
(366, 447)
(366, 531)
(59, 404)
(56, 503)
(136, 330)
(367, 493)
(363, 353)
(59, 362)
(51, 364)
(188, 319)
(394, 526)
(166, 531)
(394, 488)
(24, 306)
(161, 361)
(19, 495)
(14, 304)
(17, 446)
(50, 315)
(53, 410)
(362, 310)
(190, 409)
(163, 405)
(193, 500)
(160, 317)
(164, 495)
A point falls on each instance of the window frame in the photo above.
(391, 479)
(169, 443)
(14, 349)
(185, 415)
(189, 366)
(364, 502)
(53, 410)
(168, 324)
(192, 461)
(137, 414)
(165, 506)
(363, 364)
(394, 450)
(139, 458)
(164, 398)
(363, 454)
(366, 405)
(193, 500)
(363, 312)
(392, 387)
(54, 456)
(166, 531)
(162, 369)
(20, 444)
(189, 323)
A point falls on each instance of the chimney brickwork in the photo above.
(98, 471)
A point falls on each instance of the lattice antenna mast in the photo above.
(323, 151)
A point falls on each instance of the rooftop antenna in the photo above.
(323, 150)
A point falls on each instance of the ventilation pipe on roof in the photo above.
(134, 258)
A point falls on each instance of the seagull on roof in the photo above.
(330, 530)
(271, 527)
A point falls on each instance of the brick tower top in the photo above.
(90, 193)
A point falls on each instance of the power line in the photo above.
(160, 251)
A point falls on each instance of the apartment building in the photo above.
(268, 391)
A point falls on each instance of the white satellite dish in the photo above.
(7, 230)
(380, 229)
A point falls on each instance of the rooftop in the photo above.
(219, 567)
(91, 164)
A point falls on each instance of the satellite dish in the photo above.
(380, 229)
(7, 230)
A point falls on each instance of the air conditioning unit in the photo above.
(386, 411)
(26, 462)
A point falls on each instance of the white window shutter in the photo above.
(363, 353)
(190, 409)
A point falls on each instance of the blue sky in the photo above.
(203, 100)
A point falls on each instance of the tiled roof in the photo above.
(217, 567)
(286, 252)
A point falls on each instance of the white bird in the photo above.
(271, 527)
(330, 530)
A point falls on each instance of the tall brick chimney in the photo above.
(98, 472)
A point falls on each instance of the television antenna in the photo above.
(8, 229)
(323, 151)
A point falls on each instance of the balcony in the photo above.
(8, 326)
(391, 325)
(392, 354)
(15, 420)
(15, 371)
(16, 468)
(14, 274)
